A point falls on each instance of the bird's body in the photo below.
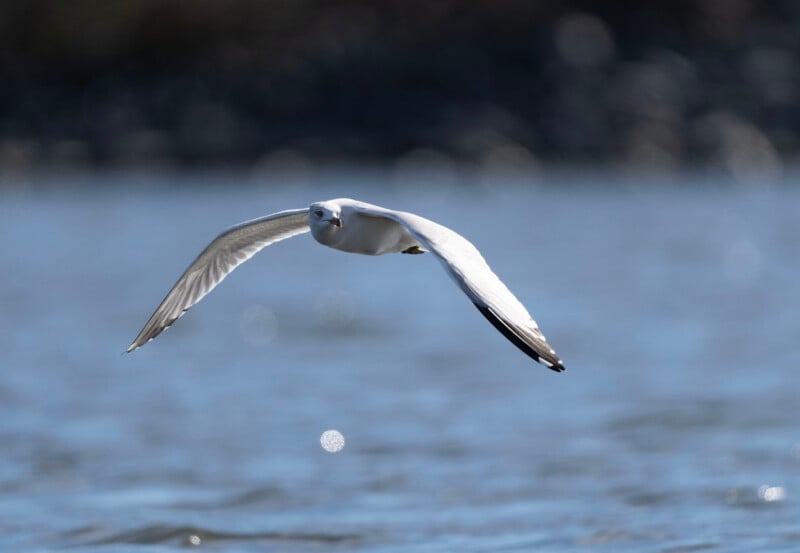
(363, 234)
(357, 227)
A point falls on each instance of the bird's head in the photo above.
(325, 219)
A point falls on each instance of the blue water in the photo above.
(673, 305)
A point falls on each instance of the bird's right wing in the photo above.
(228, 250)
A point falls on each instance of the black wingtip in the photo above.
(548, 359)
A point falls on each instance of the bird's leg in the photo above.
(415, 250)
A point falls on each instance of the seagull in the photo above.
(357, 227)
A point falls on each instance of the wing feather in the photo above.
(226, 252)
(469, 270)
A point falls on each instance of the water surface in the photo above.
(675, 427)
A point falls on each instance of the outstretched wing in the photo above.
(466, 266)
(228, 250)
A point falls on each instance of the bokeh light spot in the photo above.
(335, 310)
(258, 325)
(332, 441)
(584, 40)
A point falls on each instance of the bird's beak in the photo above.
(336, 221)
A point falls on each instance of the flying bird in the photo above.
(357, 227)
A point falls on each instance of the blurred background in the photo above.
(663, 83)
(627, 168)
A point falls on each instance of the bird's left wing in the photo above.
(469, 269)
(228, 250)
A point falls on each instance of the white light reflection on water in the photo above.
(771, 493)
(332, 441)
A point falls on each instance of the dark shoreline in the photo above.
(587, 82)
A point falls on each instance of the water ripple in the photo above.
(193, 535)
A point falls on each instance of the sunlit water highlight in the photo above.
(332, 441)
(674, 429)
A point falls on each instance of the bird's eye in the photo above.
(318, 213)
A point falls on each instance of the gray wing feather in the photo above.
(226, 252)
(469, 270)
